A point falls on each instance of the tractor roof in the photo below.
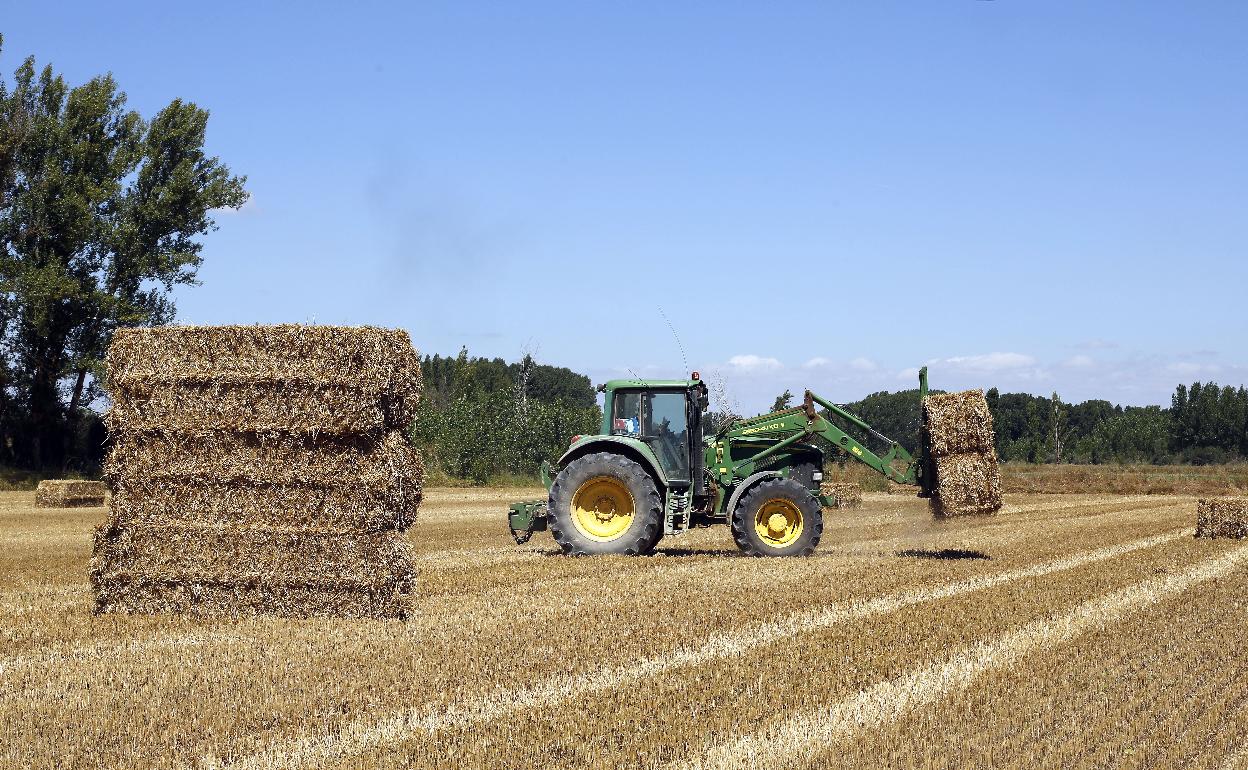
(623, 384)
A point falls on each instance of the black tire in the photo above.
(777, 494)
(642, 534)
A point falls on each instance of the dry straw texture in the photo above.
(968, 484)
(968, 477)
(1222, 517)
(847, 494)
(69, 493)
(260, 469)
(311, 379)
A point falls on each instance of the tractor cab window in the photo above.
(665, 428)
(627, 418)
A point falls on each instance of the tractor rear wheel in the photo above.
(777, 517)
(605, 503)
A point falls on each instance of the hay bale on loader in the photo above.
(846, 494)
(1222, 517)
(69, 493)
(960, 436)
(260, 470)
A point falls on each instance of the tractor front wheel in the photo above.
(605, 503)
(777, 517)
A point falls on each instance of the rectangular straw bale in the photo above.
(278, 459)
(341, 600)
(245, 556)
(1222, 517)
(958, 423)
(371, 358)
(349, 507)
(318, 379)
(967, 484)
(69, 493)
(847, 494)
(206, 407)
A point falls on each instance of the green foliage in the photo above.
(100, 218)
(1210, 423)
(783, 401)
(1205, 424)
(449, 378)
(481, 419)
(1136, 435)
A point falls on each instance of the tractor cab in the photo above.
(665, 415)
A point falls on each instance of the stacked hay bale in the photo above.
(69, 493)
(960, 435)
(1222, 517)
(260, 469)
(845, 494)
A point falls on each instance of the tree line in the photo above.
(484, 418)
(1205, 423)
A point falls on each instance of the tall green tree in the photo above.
(783, 401)
(101, 214)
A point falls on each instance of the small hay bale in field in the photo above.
(960, 436)
(260, 470)
(69, 493)
(967, 484)
(1222, 517)
(846, 494)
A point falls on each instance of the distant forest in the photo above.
(481, 418)
(1204, 424)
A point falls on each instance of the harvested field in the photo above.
(1073, 630)
(69, 493)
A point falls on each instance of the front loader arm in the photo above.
(803, 422)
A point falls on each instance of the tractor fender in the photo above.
(744, 487)
(629, 447)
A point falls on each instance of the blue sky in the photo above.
(1035, 195)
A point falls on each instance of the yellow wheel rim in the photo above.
(778, 522)
(603, 509)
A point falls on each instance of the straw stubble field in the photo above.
(1068, 630)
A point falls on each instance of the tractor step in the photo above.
(676, 512)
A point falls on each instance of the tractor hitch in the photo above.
(526, 518)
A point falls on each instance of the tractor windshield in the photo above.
(666, 425)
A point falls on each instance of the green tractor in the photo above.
(657, 469)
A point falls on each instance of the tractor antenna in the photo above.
(684, 359)
(636, 376)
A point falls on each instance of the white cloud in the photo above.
(863, 365)
(1190, 368)
(1079, 362)
(816, 362)
(752, 362)
(1097, 344)
(990, 362)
